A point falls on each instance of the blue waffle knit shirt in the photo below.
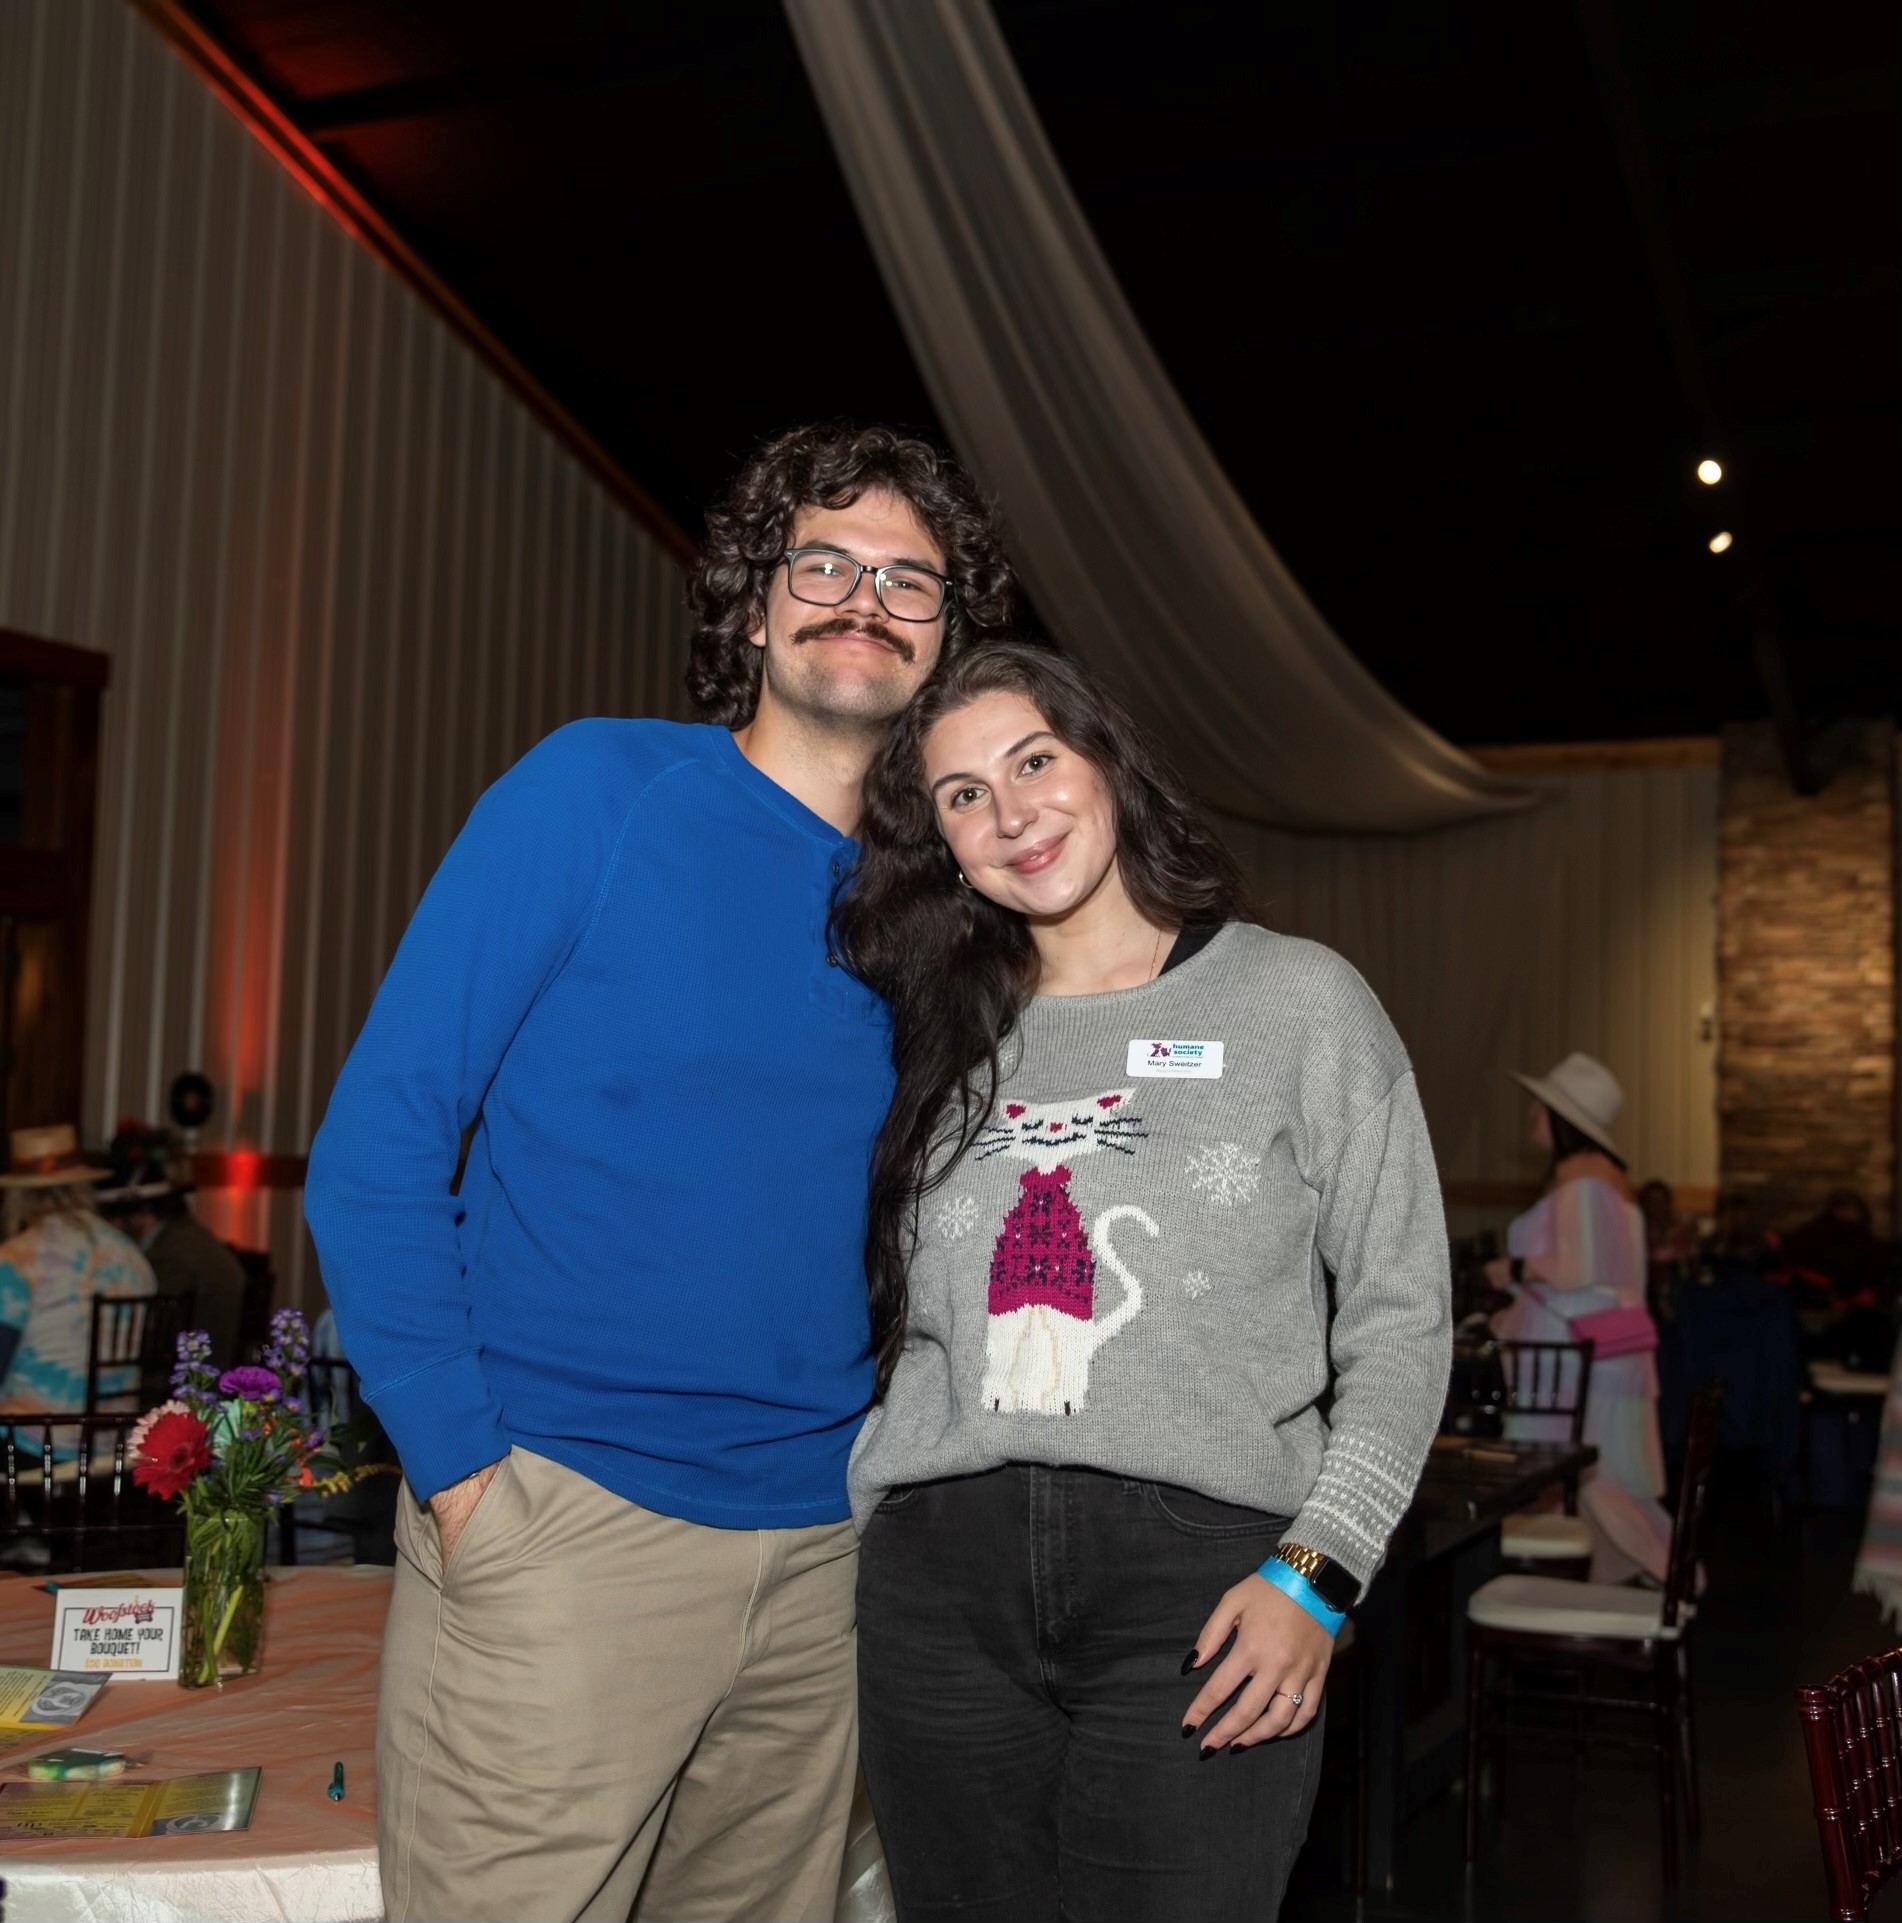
(653, 1271)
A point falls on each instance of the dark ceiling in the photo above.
(1459, 294)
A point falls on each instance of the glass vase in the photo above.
(224, 1595)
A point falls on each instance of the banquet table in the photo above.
(305, 1859)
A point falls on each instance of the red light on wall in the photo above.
(242, 1167)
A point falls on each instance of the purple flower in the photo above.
(193, 1376)
(287, 1349)
(250, 1383)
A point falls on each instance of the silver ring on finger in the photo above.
(1294, 1696)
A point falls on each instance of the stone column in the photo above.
(1806, 1085)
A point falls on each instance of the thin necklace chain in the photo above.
(1155, 957)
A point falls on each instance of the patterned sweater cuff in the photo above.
(1356, 1503)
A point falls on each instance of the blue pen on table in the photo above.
(335, 1791)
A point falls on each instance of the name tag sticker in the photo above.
(117, 1632)
(1176, 1061)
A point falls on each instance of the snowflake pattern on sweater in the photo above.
(1225, 1173)
(956, 1218)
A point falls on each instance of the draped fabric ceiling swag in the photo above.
(1140, 553)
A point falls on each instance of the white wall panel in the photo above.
(1590, 925)
(344, 575)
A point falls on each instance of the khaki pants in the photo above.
(598, 1707)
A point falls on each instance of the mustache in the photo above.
(851, 624)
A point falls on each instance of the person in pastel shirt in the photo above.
(59, 1254)
(1580, 1252)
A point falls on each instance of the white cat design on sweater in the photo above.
(1042, 1333)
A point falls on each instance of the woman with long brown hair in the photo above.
(1159, 1300)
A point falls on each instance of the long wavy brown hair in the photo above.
(831, 465)
(956, 969)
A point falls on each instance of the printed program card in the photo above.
(36, 1699)
(185, 1806)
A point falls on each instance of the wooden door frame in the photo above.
(47, 876)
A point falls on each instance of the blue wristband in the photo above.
(1296, 1586)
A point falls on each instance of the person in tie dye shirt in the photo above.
(59, 1254)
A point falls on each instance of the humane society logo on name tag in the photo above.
(117, 1632)
(1176, 1061)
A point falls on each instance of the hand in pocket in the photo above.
(452, 1508)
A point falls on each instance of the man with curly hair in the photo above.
(623, 1364)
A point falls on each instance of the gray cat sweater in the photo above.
(1130, 1268)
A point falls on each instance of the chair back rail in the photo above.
(1700, 1457)
(254, 1311)
(137, 1333)
(1852, 1736)
(332, 1390)
(59, 1491)
(1539, 1382)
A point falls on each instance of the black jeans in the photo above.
(1021, 1696)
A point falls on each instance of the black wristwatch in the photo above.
(1328, 1579)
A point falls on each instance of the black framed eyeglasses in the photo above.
(828, 577)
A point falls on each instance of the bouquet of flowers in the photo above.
(231, 1447)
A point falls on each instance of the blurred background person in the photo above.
(59, 1254)
(1841, 1278)
(1670, 1241)
(145, 1201)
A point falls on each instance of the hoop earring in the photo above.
(962, 883)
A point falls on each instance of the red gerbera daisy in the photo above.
(173, 1452)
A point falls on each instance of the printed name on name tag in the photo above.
(1176, 1061)
(117, 1632)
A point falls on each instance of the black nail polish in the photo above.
(1188, 1730)
(1207, 1752)
(1190, 1660)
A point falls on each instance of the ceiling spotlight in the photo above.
(1710, 472)
(1719, 543)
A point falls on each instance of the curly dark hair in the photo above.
(830, 465)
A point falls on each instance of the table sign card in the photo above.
(132, 1633)
(185, 1806)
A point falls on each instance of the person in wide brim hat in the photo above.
(1584, 1092)
(1576, 1272)
(48, 1158)
(60, 1254)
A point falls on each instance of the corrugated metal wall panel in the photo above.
(1605, 909)
(345, 577)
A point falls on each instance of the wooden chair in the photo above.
(1852, 1730)
(1538, 1623)
(136, 1336)
(70, 1502)
(1549, 1379)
